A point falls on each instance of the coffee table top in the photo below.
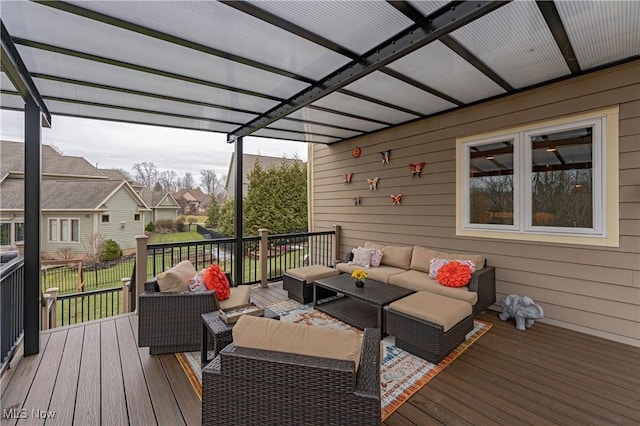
(217, 324)
(373, 291)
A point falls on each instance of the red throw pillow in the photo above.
(215, 279)
(454, 274)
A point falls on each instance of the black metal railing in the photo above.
(89, 305)
(11, 309)
(70, 278)
(283, 252)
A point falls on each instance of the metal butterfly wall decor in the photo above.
(396, 199)
(356, 201)
(347, 177)
(384, 156)
(373, 184)
(416, 169)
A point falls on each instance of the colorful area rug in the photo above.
(401, 374)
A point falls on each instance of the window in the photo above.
(65, 230)
(136, 217)
(104, 218)
(5, 234)
(19, 231)
(540, 182)
(53, 229)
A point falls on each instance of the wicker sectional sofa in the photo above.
(408, 267)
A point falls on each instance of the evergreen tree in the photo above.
(213, 214)
(225, 220)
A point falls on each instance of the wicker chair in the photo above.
(244, 386)
(172, 322)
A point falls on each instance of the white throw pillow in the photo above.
(376, 258)
(361, 257)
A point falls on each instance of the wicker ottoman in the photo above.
(429, 325)
(299, 282)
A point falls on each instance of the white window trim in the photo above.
(608, 204)
(108, 218)
(139, 217)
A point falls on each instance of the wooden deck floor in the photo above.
(94, 373)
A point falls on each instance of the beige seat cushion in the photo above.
(381, 273)
(177, 278)
(239, 296)
(280, 336)
(433, 308)
(312, 273)
(420, 281)
(421, 258)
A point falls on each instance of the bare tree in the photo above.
(96, 243)
(146, 173)
(126, 174)
(168, 179)
(209, 181)
(188, 181)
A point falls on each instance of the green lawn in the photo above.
(175, 237)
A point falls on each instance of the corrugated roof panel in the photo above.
(349, 104)
(302, 137)
(214, 24)
(44, 62)
(601, 32)
(127, 46)
(301, 126)
(389, 89)
(427, 7)
(102, 113)
(319, 116)
(50, 88)
(356, 25)
(437, 66)
(516, 43)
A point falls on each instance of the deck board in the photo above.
(87, 402)
(66, 383)
(544, 375)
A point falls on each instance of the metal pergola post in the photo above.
(238, 264)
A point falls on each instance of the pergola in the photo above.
(310, 71)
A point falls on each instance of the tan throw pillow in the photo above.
(176, 279)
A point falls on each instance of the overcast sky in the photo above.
(121, 145)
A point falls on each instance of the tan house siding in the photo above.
(120, 208)
(594, 289)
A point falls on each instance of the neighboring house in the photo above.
(248, 163)
(192, 201)
(162, 205)
(79, 201)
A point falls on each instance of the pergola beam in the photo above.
(17, 72)
(445, 20)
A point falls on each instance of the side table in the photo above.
(215, 326)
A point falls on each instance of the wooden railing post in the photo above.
(263, 255)
(336, 243)
(141, 265)
(126, 297)
(49, 315)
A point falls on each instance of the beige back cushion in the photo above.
(422, 257)
(177, 278)
(280, 336)
(397, 256)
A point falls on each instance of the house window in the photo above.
(53, 229)
(5, 234)
(539, 182)
(18, 231)
(65, 230)
(105, 218)
(136, 217)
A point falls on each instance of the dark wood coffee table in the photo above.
(215, 326)
(360, 307)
